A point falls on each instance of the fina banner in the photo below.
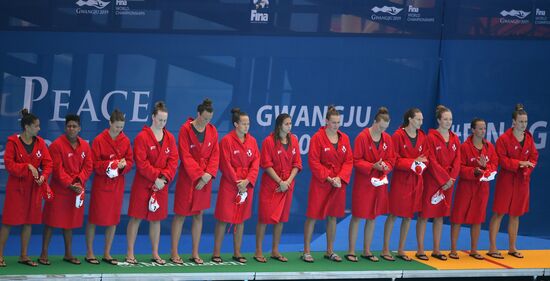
(90, 57)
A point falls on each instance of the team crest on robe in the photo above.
(152, 147)
(38, 154)
(327, 149)
(420, 148)
(527, 152)
(209, 144)
(167, 150)
(191, 146)
(344, 148)
(236, 152)
(384, 147)
(70, 154)
(279, 152)
(454, 147)
(249, 152)
(293, 151)
(83, 155)
(111, 156)
(516, 147)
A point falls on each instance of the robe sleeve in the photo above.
(225, 161)
(319, 171)
(254, 167)
(188, 161)
(214, 159)
(347, 167)
(14, 168)
(169, 171)
(505, 161)
(362, 166)
(143, 165)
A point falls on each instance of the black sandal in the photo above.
(370, 258)
(441, 257)
(28, 262)
(216, 259)
(421, 257)
(110, 261)
(351, 258)
(240, 259)
(93, 261)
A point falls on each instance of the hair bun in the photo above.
(24, 112)
(383, 110)
(235, 110)
(519, 107)
(207, 102)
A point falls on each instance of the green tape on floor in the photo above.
(295, 264)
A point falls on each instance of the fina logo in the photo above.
(256, 16)
(388, 10)
(93, 3)
(515, 13)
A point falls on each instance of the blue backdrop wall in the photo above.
(479, 58)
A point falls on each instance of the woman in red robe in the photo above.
(373, 159)
(239, 164)
(156, 158)
(411, 149)
(281, 161)
(518, 157)
(439, 179)
(199, 153)
(113, 159)
(25, 155)
(73, 165)
(331, 162)
(478, 161)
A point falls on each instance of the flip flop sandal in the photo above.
(454, 256)
(333, 257)
(496, 255)
(72, 260)
(422, 257)
(177, 260)
(260, 259)
(351, 258)
(131, 261)
(279, 258)
(28, 262)
(475, 256)
(216, 259)
(43, 261)
(307, 258)
(370, 258)
(404, 257)
(93, 261)
(158, 261)
(240, 259)
(516, 255)
(441, 257)
(110, 261)
(198, 261)
(2, 262)
(387, 257)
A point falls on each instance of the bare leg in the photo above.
(4, 234)
(369, 232)
(388, 227)
(238, 239)
(475, 229)
(131, 234)
(46, 238)
(219, 232)
(196, 231)
(513, 227)
(494, 226)
(154, 235)
(277, 233)
(455, 232)
(308, 233)
(260, 234)
(437, 229)
(68, 238)
(405, 223)
(352, 234)
(90, 234)
(109, 237)
(420, 233)
(177, 224)
(331, 234)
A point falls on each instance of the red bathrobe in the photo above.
(274, 206)
(444, 164)
(369, 201)
(471, 195)
(108, 193)
(512, 187)
(406, 186)
(238, 161)
(71, 165)
(23, 202)
(196, 159)
(152, 161)
(326, 161)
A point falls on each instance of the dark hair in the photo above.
(474, 122)
(439, 110)
(117, 115)
(519, 110)
(236, 114)
(27, 118)
(279, 125)
(72, 117)
(409, 114)
(332, 111)
(382, 114)
(206, 105)
(159, 106)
